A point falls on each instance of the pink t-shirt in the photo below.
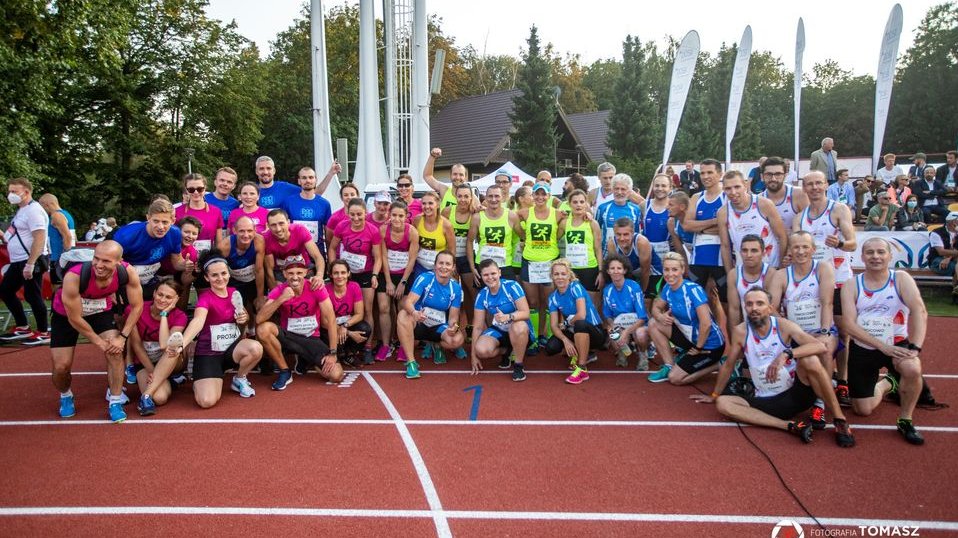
(188, 253)
(220, 329)
(338, 216)
(149, 328)
(415, 209)
(371, 218)
(356, 245)
(210, 217)
(301, 314)
(401, 246)
(94, 299)
(345, 306)
(258, 217)
(295, 246)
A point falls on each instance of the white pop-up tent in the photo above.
(518, 177)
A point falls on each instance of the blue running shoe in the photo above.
(661, 375)
(460, 353)
(427, 350)
(438, 355)
(67, 408)
(284, 379)
(130, 374)
(117, 414)
(146, 407)
(412, 370)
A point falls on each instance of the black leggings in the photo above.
(349, 345)
(597, 337)
(12, 282)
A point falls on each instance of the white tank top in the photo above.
(786, 208)
(881, 312)
(760, 352)
(821, 227)
(601, 199)
(749, 222)
(742, 284)
(802, 300)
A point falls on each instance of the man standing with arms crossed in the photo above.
(700, 219)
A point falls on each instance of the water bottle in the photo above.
(614, 336)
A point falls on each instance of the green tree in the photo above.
(568, 74)
(632, 118)
(600, 79)
(534, 110)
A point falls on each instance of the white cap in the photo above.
(951, 216)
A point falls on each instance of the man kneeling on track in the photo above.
(506, 330)
(86, 307)
(301, 310)
(786, 379)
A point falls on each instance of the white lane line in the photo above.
(426, 422)
(447, 372)
(468, 514)
(432, 496)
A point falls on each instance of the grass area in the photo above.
(939, 304)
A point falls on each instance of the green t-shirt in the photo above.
(875, 212)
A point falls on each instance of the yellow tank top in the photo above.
(542, 237)
(431, 240)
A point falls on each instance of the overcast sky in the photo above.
(848, 31)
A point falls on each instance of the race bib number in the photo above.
(427, 258)
(764, 389)
(92, 306)
(461, 246)
(539, 272)
(244, 274)
(341, 320)
(821, 251)
(881, 329)
(398, 260)
(661, 248)
(153, 351)
(578, 254)
(202, 245)
(146, 272)
(517, 254)
(625, 320)
(356, 262)
(496, 254)
(702, 239)
(304, 326)
(806, 314)
(434, 317)
(223, 335)
(310, 225)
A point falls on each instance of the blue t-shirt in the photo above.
(609, 212)
(56, 240)
(434, 295)
(755, 176)
(564, 303)
(139, 249)
(505, 301)
(225, 206)
(683, 303)
(656, 230)
(273, 196)
(628, 300)
(316, 210)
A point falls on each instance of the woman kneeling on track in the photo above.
(349, 311)
(681, 316)
(159, 328)
(623, 306)
(434, 300)
(576, 327)
(509, 327)
(302, 310)
(217, 325)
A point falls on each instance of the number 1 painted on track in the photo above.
(474, 412)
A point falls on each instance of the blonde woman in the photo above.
(576, 326)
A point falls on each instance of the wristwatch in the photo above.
(333, 351)
(789, 353)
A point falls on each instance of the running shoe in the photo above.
(368, 356)
(438, 355)
(505, 363)
(908, 431)
(243, 387)
(843, 434)
(577, 376)
(17, 333)
(650, 353)
(427, 350)
(818, 418)
(533, 348)
(67, 407)
(176, 380)
(117, 414)
(591, 358)
(519, 372)
(400, 355)
(146, 407)
(621, 360)
(643, 364)
(284, 379)
(802, 429)
(130, 372)
(542, 341)
(384, 353)
(460, 353)
(124, 399)
(237, 300)
(841, 392)
(36, 339)
(412, 370)
(661, 375)
(175, 340)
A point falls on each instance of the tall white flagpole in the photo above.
(797, 92)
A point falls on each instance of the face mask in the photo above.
(14, 198)
(912, 205)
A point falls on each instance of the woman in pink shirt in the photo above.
(210, 217)
(405, 187)
(249, 207)
(352, 331)
(217, 326)
(155, 330)
(400, 247)
(346, 193)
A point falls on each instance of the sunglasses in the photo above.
(193, 190)
(404, 185)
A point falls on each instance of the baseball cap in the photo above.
(540, 187)
(503, 173)
(383, 196)
(294, 261)
(919, 155)
(951, 216)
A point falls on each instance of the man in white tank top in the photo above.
(786, 373)
(886, 319)
(788, 200)
(750, 273)
(744, 214)
(602, 193)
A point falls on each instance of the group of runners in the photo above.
(700, 285)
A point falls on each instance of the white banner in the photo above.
(797, 91)
(885, 79)
(737, 90)
(910, 250)
(682, 71)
